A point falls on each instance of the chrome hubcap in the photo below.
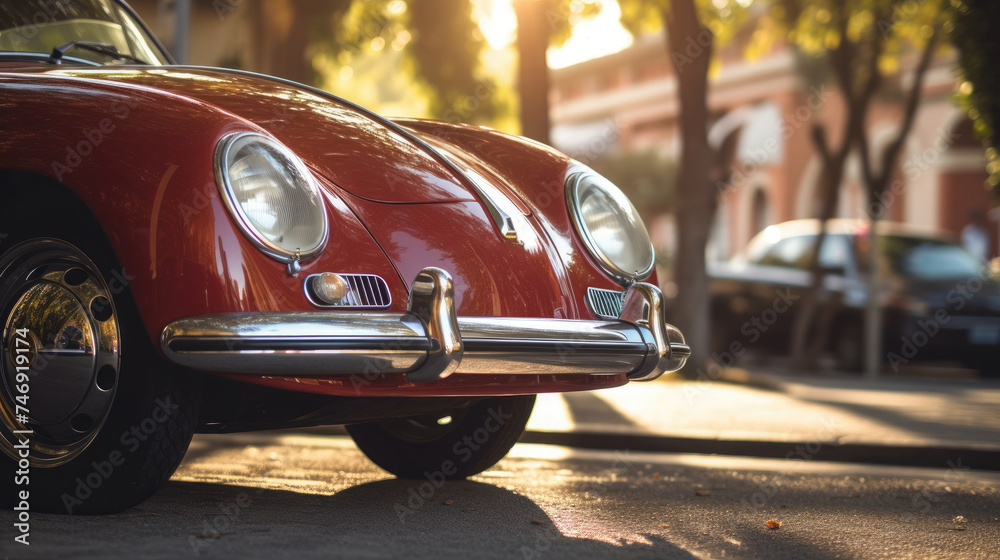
(54, 302)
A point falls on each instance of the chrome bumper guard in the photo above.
(430, 341)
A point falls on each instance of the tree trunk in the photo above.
(858, 83)
(533, 35)
(284, 30)
(690, 44)
(877, 183)
(803, 354)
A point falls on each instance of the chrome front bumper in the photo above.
(430, 341)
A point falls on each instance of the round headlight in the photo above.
(610, 227)
(272, 196)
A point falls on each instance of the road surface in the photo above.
(276, 495)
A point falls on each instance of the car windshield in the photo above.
(36, 26)
(928, 259)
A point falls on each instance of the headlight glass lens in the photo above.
(610, 227)
(272, 195)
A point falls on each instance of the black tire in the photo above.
(475, 439)
(153, 410)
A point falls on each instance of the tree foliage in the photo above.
(722, 17)
(441, 46)
(646, 177)
(862, 42)
(445, 51)
(974, 33)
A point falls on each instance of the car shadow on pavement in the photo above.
(391, 518)
(382, 519)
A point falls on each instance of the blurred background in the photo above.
(728, 123)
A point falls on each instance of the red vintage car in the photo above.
(188, 249)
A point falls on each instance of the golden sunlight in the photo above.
(591, 38)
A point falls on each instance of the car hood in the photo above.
(351, 147)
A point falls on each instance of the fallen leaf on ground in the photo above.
(656, 475)
(666, 525)
(449, 502)
(772, 524)
(702, 493)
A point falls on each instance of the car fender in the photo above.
(156, 197)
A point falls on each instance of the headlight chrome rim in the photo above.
(623, 277)
(246, 226)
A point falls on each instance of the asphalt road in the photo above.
(280, 495)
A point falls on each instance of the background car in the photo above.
(938, 302)
(418, 281)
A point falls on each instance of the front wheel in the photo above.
(453, 445)
(91, 421)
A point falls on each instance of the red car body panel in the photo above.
(394, 209)
(535, 175)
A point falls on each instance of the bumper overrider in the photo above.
(430, 341)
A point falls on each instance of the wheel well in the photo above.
(29, 197)
(24, 191)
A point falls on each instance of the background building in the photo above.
(764, 111)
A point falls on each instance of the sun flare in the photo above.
(592, 37)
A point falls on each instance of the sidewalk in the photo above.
(895, 420)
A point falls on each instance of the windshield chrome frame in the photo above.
(142, 24)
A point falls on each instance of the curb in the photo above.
(940, 457)
(766, 381)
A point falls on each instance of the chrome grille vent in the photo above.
(605, 303)
(367, 291)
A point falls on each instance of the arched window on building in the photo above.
(760, 212)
